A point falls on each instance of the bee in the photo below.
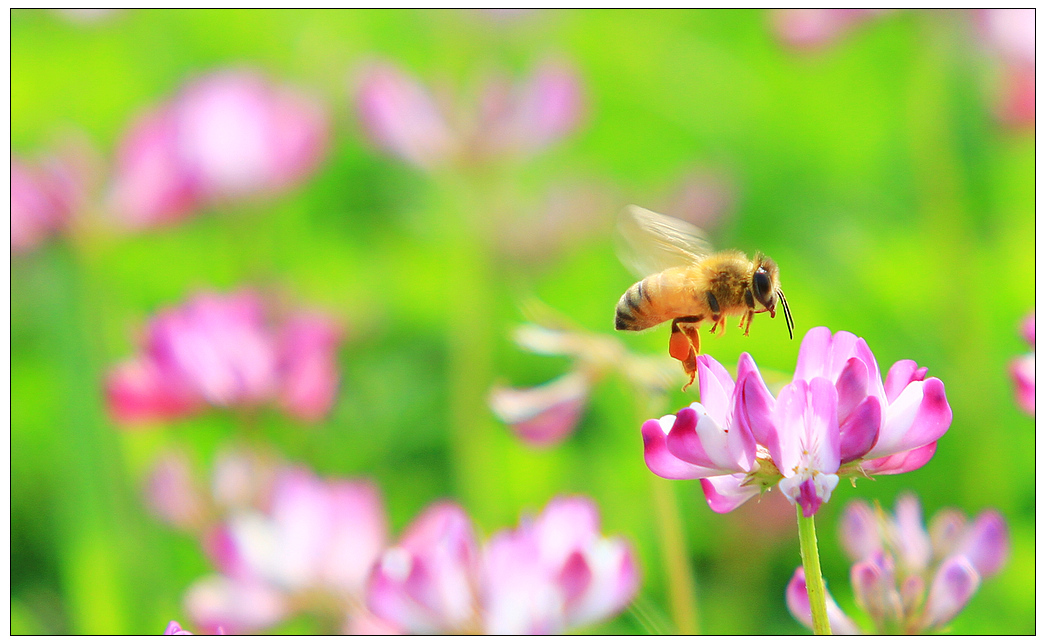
(688, 283)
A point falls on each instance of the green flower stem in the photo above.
(812, 570)
(682, 598)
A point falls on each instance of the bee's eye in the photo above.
(761, 285)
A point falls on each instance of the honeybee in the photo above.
(688, 283)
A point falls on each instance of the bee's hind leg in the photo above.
(684, 346)
(746, 321)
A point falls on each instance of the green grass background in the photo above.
(872, 172)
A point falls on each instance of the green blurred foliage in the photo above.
(872, 172)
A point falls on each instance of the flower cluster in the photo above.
(221, 350)
(306, 544)
(554, 572)
(546, 414)
(228, 135)
(907, 579)
(836, 418)
(1023, 368)
(400, 116)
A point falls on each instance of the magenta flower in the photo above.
(909, 580)
(836, 418)
(551, 574)
(1022, 369)
(228, 135)
(222, 351)
(546, 414)
(45, 197)
(310, 548)
(400, 116)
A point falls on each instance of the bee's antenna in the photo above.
(788, 314)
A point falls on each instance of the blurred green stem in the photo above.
(812, 570)
(681, 595)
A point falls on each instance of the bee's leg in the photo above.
(747, 319)
(713, 306)
(684, 346)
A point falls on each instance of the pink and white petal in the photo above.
(303, 519)
(986, 545)
(697, 438)
(859, 431)
(235, 606)
(901, 463)
(799, 605)
(814, 353)
(614, 583)
(402, 591)
(910, 539)
(717, 387)
(874, 585)
(357, 537)
(174, 628)
(567, 524)
(951, 589)
(809, 492)
(172, 493)
(900, 374)
(919, 416)
(544, 415)
(727, 492)
(859, 531)
(364, 622)
(662, 462)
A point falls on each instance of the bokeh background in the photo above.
(884, 160)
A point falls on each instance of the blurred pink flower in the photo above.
(546, 414)
(172, 493)
(799, 605)
(704, 197)
(910, 580)
(553, 573)
(836, 418)
(46, 196)
(221, 350)
(399, 115)
(1022, 369)
(1009, 36)
(314, 538)
(228, 135)
(817, 28)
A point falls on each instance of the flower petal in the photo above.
(697, 438)
(919, 416)
(813, 353)
(851, 386)
(237, 606)
(901, 373)
(987, 544)
(717, 387)
(859, 531)
(799, 605)
(860, 430)
(546, 414)
(754, 404)
(910, 539)
(727, 492)
(952, 587)
(662, 462)
(1022, 370)
(901, 463)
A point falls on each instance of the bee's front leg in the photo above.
(746, 321)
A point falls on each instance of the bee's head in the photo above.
(765, 284)
(766, 288)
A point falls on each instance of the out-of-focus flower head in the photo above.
(47, 195)
(221, 350)
(704, 197)
(907, 579)
(812, 29)
(399, 115)
(1022, 369)
(553, 573)
(837, 418)
(1009, 36)
(545, 415)
(307, 544)
(228, 135)
(174, 628)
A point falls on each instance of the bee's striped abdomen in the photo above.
(631, 308)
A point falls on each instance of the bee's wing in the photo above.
(650, 243)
